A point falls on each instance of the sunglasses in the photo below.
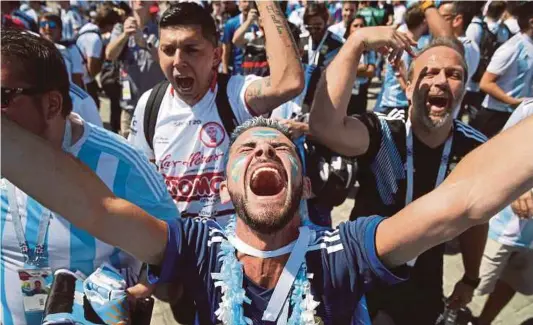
(8, 94)
(49, 23)
(314, 27)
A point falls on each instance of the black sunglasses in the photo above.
(9, 93)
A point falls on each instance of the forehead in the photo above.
(446, 9)
(439, 57)
(182, 34)
(261, 134)
(349, 5)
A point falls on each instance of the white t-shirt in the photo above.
(84, 105)
(513, 63)
(338, 29)
(399, 12)
(475, 30)
(512, 24)
(90, 44)
(190, 146)
(472, 55)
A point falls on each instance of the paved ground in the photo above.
(518, 312)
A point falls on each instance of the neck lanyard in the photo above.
(410, 165)
(35, 257)
(313, 56)
(278, 303)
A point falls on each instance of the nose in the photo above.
(178, 58)
(265, 151)
(440, 79)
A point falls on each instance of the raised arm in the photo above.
(481, 185)
(286, 79)
(238, 38)
(69, 188)
(328, 121)
(438, 26)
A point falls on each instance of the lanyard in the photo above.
(312, 56)
(410, 168)
(36, 257)
(443, 162)
(278, 303)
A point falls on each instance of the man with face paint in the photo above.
(264, 267)
(401, 161)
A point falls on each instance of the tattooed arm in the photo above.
(286, 79)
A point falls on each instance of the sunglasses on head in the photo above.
(9, 93)
(49, 23)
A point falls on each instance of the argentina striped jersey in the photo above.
(126, 172)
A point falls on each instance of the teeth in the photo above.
(265, 169)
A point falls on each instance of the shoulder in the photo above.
(335, 40)
(468, 135)
(523, 111)
(77, 93)
(326, 240)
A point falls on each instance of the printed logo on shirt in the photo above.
(187, 123)
(196, 159)
(194, 187)
(161, 140)
(212, 134)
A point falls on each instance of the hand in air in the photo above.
(387, 40)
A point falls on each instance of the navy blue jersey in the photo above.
(343, 261)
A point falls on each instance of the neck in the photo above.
(416, 33)
(458, 32)
(433, 137)
(268, 242)
(56, 138)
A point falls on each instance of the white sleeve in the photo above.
(474, 32)
(521, 112)
(91, 45)
(236, 90)
(502, 59)
(472, 56)
(137, 137)
(77, 60)
(86, 108)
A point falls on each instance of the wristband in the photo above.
(471, 282)
(426, 5)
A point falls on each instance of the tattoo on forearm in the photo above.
(281, 25)
(256, 90)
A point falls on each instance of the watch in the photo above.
(471, 282)
(425, 5)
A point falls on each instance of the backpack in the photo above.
(487, 46)
(156, 97)
(73, 42)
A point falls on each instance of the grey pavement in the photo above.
(518, 312)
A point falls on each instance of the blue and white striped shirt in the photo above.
(506, 227)
(125, 171)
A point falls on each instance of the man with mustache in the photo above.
(268, 266)
(401, 161)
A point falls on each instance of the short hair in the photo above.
(496, 9)
(53, 17)
(256, 122)
(467, 9)
(449, 42)
(190, 14)
(41, 62)
(316, 10)
(106, 15)
(414, 17)
(523, 13)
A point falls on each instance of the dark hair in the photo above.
(350, 22)
(466, 9)
(190, 14)
(495, 9)
(450, 42)
(414, 17)
(316, 10)
(523, 13)
(106, 16)
(42, 64)
(53, 17)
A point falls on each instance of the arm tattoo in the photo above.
(281, 24)
(256, 89)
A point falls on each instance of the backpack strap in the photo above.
(223, 106)
(152, 110)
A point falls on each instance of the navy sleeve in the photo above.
(229, 30)
(358, 238)
(186, 248)
(373, 125)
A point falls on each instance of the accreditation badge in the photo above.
(35, 286)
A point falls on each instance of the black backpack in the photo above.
(156, 97)
(488, 45)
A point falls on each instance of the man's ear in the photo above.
(224, 193)
(307, 191)
(409, 90)
(52, 103)
(217, 58)
(458, 21)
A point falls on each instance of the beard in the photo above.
(267, 222)
(422, 115)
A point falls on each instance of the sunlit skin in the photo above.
(444, 78)
(356, 24)
(185, 53)
(348, 11)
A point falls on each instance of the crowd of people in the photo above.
(236, 127)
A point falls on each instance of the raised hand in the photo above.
(386, 40)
